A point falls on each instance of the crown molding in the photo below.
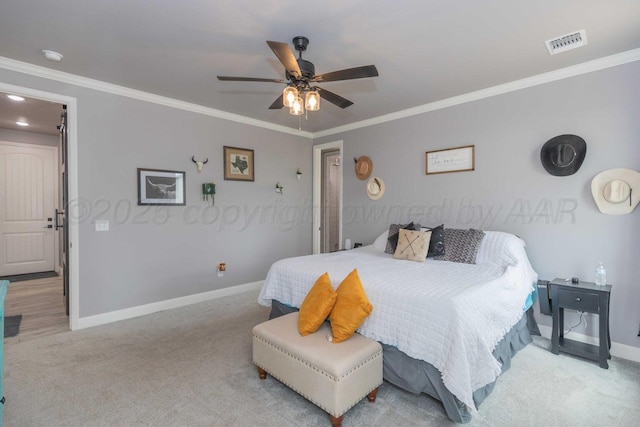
(63, 77)
(551, 76)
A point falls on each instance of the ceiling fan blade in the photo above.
(333, 98)
(286, 56)
(249, 79)
(277, 104)
(348, 74)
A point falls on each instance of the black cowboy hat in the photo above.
(563, 155)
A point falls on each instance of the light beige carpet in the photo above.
(192, 367)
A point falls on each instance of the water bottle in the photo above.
(601, 275)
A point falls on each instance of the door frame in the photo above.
(74, 200)
(317, 190)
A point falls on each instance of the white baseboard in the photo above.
(142, 310)
(618, 350)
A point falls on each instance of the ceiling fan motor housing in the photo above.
(307, 68)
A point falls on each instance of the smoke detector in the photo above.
(52, 55)
(566, 42)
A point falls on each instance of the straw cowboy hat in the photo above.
(563, 155)
(616, 191)
(364, 167)
(375, 188)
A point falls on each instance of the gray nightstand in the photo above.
(587, 297)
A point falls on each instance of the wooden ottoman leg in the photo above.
(262, 373)
(336, 422)
(372, 396)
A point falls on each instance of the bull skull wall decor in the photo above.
(199, 164)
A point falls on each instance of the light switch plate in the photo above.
(102, 225)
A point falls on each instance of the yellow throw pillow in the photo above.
(316, 305)
(352, 307)
(412, 245)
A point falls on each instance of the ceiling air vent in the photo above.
(566, 42)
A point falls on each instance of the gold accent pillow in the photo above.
(352, 307)
(316, 306)
(412, 245)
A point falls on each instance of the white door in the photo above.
(28, 193)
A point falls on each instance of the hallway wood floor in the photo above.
(41, 303)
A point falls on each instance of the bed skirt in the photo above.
(418, 376)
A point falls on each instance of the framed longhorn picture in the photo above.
(238, 164)
(161, 187)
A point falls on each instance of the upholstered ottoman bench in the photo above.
(333, 376)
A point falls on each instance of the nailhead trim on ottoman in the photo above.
(333, 376)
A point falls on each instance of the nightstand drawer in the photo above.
(578, 300)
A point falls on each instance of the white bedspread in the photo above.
(450, 315)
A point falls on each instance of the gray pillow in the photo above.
(436, 244)
(462, 245)
(392, 240)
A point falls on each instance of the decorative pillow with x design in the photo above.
(412, 245)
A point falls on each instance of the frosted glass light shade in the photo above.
(297, 108)
(289, 95)
(312, 101)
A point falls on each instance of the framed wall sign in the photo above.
(161, 187)
(238, 164)
(457, 159)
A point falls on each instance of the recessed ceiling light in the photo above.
(22, 123)
(15, 97)
(52, 55)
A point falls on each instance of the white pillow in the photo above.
(500, 248)
(381, 241)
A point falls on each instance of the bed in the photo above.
(448, 329)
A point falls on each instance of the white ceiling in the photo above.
(425, 50)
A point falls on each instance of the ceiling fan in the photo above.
(300, 79)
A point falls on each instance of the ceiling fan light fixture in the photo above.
(297, 108)
(300, 75)
(312, 101)
(289, 95)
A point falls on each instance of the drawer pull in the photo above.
(578, 299)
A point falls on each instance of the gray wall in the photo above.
(28, 137)
(510, 191)
(153, 254)
(149, 257)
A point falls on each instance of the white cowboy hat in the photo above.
(364, 167)
(616, 191)
(375, 188)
